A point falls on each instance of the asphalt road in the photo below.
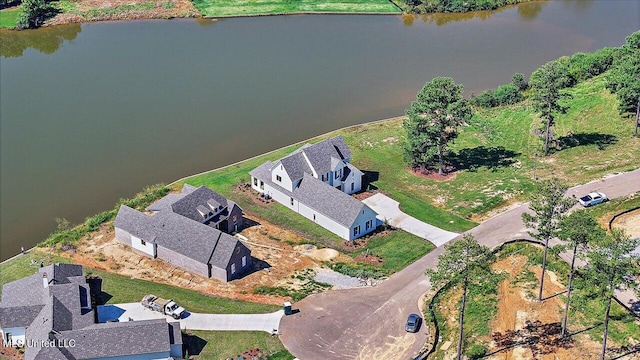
(368, 323)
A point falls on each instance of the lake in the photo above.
(92, 113)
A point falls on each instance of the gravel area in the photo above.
(339, 281)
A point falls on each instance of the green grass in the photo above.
(9, 17)
(220, 345)
(123, 289)
(254, 7)
(605, 211)
(398, 250)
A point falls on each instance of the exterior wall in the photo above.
(324, 221)
(361, 221)
(148, 248)
(123, 236)
(237, 212)
(182, 261)
(256, 187)
(176, 351)
(283, 199)
(286, 180)
(218, 273)
(236, 259)
(355, 178)
(17, 336)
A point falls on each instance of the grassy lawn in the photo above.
(229, 344)
(398, 250)
(253, 7)
(122, 289)
(9, 17)
(605, 211)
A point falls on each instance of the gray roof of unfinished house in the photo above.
(118, 339)
(262, 172)
(171, 198)
(328, 200)
(180, 234)
(202, 196)
(135, 223)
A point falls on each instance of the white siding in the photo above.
(355, 178)
(286, 180)
(147, 248)
(361, 221)
(17, 336)
(324, 221)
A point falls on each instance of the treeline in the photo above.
(622, 80)
(459, 6)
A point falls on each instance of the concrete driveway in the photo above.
(389, 209)
(196, 321)
(368, 323)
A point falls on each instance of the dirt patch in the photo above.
(275, 260)
(10, 353)
(434, 175)
(108, 10)
(313, 252)
(364, 195)
(629, 222)
(522, 318)
(370, 259)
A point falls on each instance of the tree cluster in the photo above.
(448, 6)
(624, 78)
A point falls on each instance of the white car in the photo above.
(593, 198)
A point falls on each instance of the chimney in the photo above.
(45, 281)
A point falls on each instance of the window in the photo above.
(356, 230)
(143, 243)
(234, 218)
(244, 261)
(278, 178)
(352, 186)
(255, 181)
(233, 268)
(262, 185)
(314, 217)
(337, 174)
(323, 177)
(291, 201)
(369, 224)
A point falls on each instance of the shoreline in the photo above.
(285, 146)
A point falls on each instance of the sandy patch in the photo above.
(629, 222)
(276, 260)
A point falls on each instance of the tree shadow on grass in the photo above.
(490, 157)
(602, 141)
(193, 344)
(541, 339)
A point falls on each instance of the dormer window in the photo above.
(279, 178)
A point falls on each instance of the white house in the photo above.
(316, 181)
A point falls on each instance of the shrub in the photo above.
(507, 94)
(34, 13)
(519, 82)
(476, 351)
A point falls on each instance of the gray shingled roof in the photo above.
(188, 205)
(135, 223)
(60, 273)
(39, 331)
(118, 339)
(20, 316)
(328, 200)
(180, 234)
(171, 198)
(320, 154)
(27, 291)
(296, 166)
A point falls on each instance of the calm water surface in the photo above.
(91, 113)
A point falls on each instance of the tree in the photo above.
(623, 79)
(547, 82)
(34, 13)
(433, 121)
(578, 230)
(611, 262)
(519, 82)
(464, 258)
(548, 204)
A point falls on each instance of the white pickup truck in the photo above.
(167, 307)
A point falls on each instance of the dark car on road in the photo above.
(413, 323)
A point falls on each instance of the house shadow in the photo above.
(102, 298)
(602, 141)
(491, 158)
(193, 344)
(368, 178)
(257, 265)
(247, 223)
